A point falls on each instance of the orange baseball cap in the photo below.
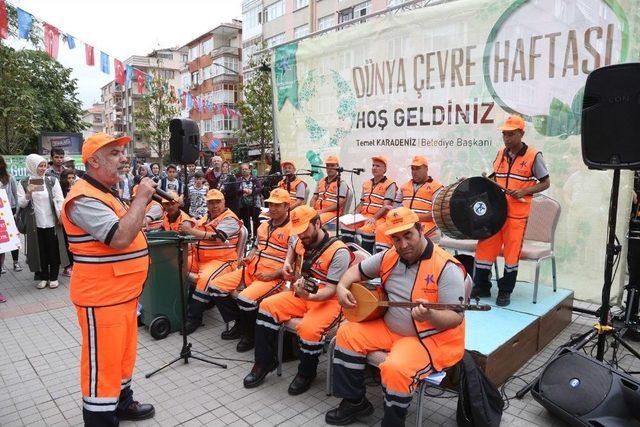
(332, 160)
(173, 195)
(400, 219)
(513, 123)
(381, 159)
(278, 195)
(214, 194)
(301, 217)
(288, 162)
(99, 140)
(419, 161)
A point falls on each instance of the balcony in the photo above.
(225, 50)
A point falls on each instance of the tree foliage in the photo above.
(256, 111)
(37, 94)
(152, 116)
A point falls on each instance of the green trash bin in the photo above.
(160, 300)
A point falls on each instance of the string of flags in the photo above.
(124, 74)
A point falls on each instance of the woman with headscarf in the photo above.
(42, 197)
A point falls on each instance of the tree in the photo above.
(37, 94)
(153, 114)
(256, 111)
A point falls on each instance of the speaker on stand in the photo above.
(184, 148)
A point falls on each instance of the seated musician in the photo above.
(173, 216)
(325, 199)
(418, 340)
(378, 195)
(417, 195)
(216, 252)
(261, 273)
(323, 258)
(296, 187)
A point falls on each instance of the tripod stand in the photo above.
(186, 352)
(340, 171)
(604, 327)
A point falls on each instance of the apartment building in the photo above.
(213, 75)
(112, 99)
(94, 118)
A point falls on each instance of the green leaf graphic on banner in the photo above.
(286, 75)
(563, 120)
(313, 157)
(316, 132)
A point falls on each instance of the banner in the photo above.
(438, 81)
(9, 236)
(17, 167)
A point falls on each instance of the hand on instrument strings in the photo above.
(421, 313)
(146, 189)
(345, 297)
(298, 288)
(287, 271)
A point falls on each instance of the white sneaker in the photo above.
(53, 284)
(42, 284)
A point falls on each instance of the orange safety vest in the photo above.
(515, 176)
(373, 195)
(320, 267)
(103, 275)
(446, 347)
(215, 248)
(173, 226)
(421, 200)
(291, 187)
(327, 194)
(272, 246)
(151, 204)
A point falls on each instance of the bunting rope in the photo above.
(124, 74)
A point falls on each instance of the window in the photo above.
(225, 65)
(185, 57)
(277, 39)
(195, 78)
(301, 31)
(274, 11)
(392, 3)
(345, 15)
(252, 22)
(301, 3)
(207, 47)
(164, 55)
(325, 22)
(226, 95)
(362, 9)
(193, 53)
(207, 73)
(207, 125)
(222, 123)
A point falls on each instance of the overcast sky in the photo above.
(122, 28)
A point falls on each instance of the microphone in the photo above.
(163, 195)
(358, 171)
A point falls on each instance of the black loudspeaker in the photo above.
(184, 144)
(611, 118)
(585, 392)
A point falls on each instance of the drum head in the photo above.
(478, 208)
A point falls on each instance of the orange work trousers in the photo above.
(109, 343)
(408, 361)
(255, 290)
(207, 272)
(327, 217)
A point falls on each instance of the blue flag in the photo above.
(71, 42)
(25, 20)
(128, 75)
(149, 80)
(104, 62)
(189, 101)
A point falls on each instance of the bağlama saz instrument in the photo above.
(372, 304)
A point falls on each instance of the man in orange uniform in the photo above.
(378, 195)
(521, 170)
(216, 253)
(325, 260)
(172, 219)
(261, 273)
(417, 195)
(417, 340)
(325, 199)
(296, 187)
(111, 261)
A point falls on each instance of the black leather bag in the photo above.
(479, 401)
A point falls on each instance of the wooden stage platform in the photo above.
(503, 339)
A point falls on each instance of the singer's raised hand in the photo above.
(146, 189)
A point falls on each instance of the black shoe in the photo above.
(478, 292)
(245, 344)
(233, 333)
(258, 374)
(191, 326)
(347, 412)
(136, 412)
(300, 384)
(504, 298)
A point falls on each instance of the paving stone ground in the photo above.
(39, 359)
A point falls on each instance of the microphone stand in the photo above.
(340, 171)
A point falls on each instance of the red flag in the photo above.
(51, 40)
(184, 99)
(88, 54)
(214, 108)
(4, 23)
(225, 112)
(119, 68)
(140, 80)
